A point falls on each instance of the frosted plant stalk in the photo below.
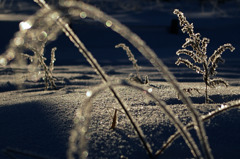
(199, 55)
(81, 112)
(33, 35)
(131, 57)
(82, 49)
(223, 108)
(149, 54)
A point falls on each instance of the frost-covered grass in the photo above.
(147, 115)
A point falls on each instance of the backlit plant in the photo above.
(199, 55)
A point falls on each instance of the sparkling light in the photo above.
(89, 93)
(222, 107)
(25, 25)
(10, 55)
(109, 23)
(85, 154)
(3, 61)
(150, 90)
(18, 41)
(83, 15)
(42, 36)
(55, 15)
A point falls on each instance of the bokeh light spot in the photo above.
(3, 61)
(109, 23)
(25, 25)
(18, 41)
(42, 36)
(85, 154)
(83, 15)
(89, 93)
(150, 90)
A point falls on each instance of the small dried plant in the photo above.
(137, 78)
(199, 55)
(115, 120)
(38, 60)
(32, 37)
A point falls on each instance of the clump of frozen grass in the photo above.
(48, 71)
(40, 62)
(199, 55)
(33, 35)
(137, 78)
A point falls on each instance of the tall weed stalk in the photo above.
(199, 55)
(130, 57)
(136, 78)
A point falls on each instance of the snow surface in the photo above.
(37, 121)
